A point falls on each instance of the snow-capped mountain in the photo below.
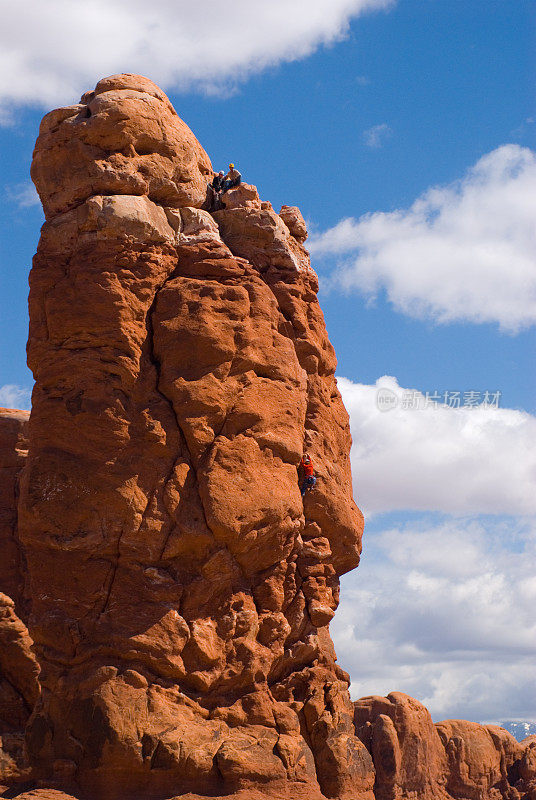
(519, 730)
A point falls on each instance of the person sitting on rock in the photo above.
(232, 179)
(309, 480)
(215, 188)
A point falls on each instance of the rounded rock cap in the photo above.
(124, 137)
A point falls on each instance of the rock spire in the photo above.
(181, 588)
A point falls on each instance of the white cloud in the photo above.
(23, 195)
(456, 460)
(442, 610)
(445, 613)
(12, 396)
(466, 251)
(375, 137)
(51, 52)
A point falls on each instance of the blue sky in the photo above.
(358, 109)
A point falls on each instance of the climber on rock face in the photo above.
(215, 189)
(233, 178)
(217, 181)
(309, 480)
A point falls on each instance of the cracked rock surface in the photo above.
(181, 588)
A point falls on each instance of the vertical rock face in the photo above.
(452, 759)
(19, 690)
(18, 668)
(405, 746)
(13, 452)
(181, 588)
(485, 761)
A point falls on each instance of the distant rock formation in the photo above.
(176, 586)
(13, 452)
(19, 687)
(414, 758)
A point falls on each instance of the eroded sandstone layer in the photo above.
(414, 758)
(13, 452)
(181, 588)
(19, 686)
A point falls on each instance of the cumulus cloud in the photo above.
(466, 251)
(424, 455)
(51, 52)
(445, 613)
(375, 137)
(441, 606)
(13, 396)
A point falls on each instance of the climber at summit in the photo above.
(232, 179)
(309, 480)
(214, 189)
(217, 181)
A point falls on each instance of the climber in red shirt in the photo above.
(309, 480)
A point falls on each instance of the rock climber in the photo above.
(217, 181)
(233, 178)
(215, 188)
(309, 480)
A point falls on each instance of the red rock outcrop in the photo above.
(485, 761)
(42, 794)
(453, 759)
(405, 746)
(181, 588)
(13, 452)
(123, 138)
(19, 690)
(19, 687)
